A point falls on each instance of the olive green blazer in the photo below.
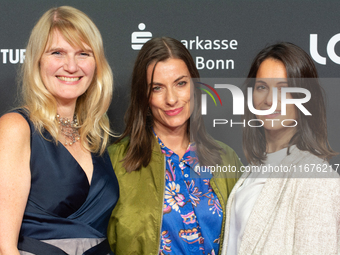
(136, 221)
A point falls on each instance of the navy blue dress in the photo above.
(61, 203)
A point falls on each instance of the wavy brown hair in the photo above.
(311, 134)
(138, 118)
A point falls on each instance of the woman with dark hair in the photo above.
(291, 209)
(164, 206)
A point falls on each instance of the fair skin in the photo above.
(15, 179)
(272, 74)
(66, 72)
(170, 103)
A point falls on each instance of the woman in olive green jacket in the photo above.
(164, 191)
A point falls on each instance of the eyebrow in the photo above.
(178, 79)
(54, 49)
(259, 81)
(280, 82)
(62, 49)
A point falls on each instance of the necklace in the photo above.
(69, 129)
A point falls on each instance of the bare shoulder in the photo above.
(15, 126)
(15, 142)
(15, 136)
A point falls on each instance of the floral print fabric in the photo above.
(192, 213)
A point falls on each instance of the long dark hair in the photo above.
(311, 134)
(138, 118)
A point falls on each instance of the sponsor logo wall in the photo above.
(223, 38)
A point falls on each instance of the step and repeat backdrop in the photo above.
(222, 36)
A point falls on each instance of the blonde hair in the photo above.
(91, 107)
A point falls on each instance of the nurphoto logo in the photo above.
(204, 97)
(280, 98)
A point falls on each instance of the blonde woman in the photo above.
(57, 184)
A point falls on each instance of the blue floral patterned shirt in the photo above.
(192, 213)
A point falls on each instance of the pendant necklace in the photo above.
(69, 129)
